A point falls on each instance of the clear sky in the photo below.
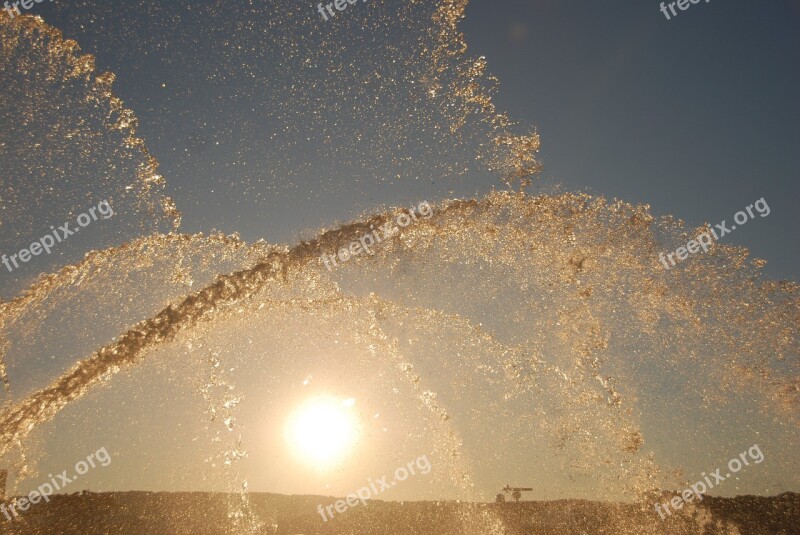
(696, 116)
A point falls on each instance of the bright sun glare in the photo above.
(322, 430)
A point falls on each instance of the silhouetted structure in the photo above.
(516, 493)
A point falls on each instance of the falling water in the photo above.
(524, 335)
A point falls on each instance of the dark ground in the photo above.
(208, 513)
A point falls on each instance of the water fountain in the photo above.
(590, 365)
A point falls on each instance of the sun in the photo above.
(322, 431)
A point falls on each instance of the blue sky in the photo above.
(696, 116)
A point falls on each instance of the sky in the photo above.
(694, 116)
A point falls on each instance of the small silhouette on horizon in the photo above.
(516, 493)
